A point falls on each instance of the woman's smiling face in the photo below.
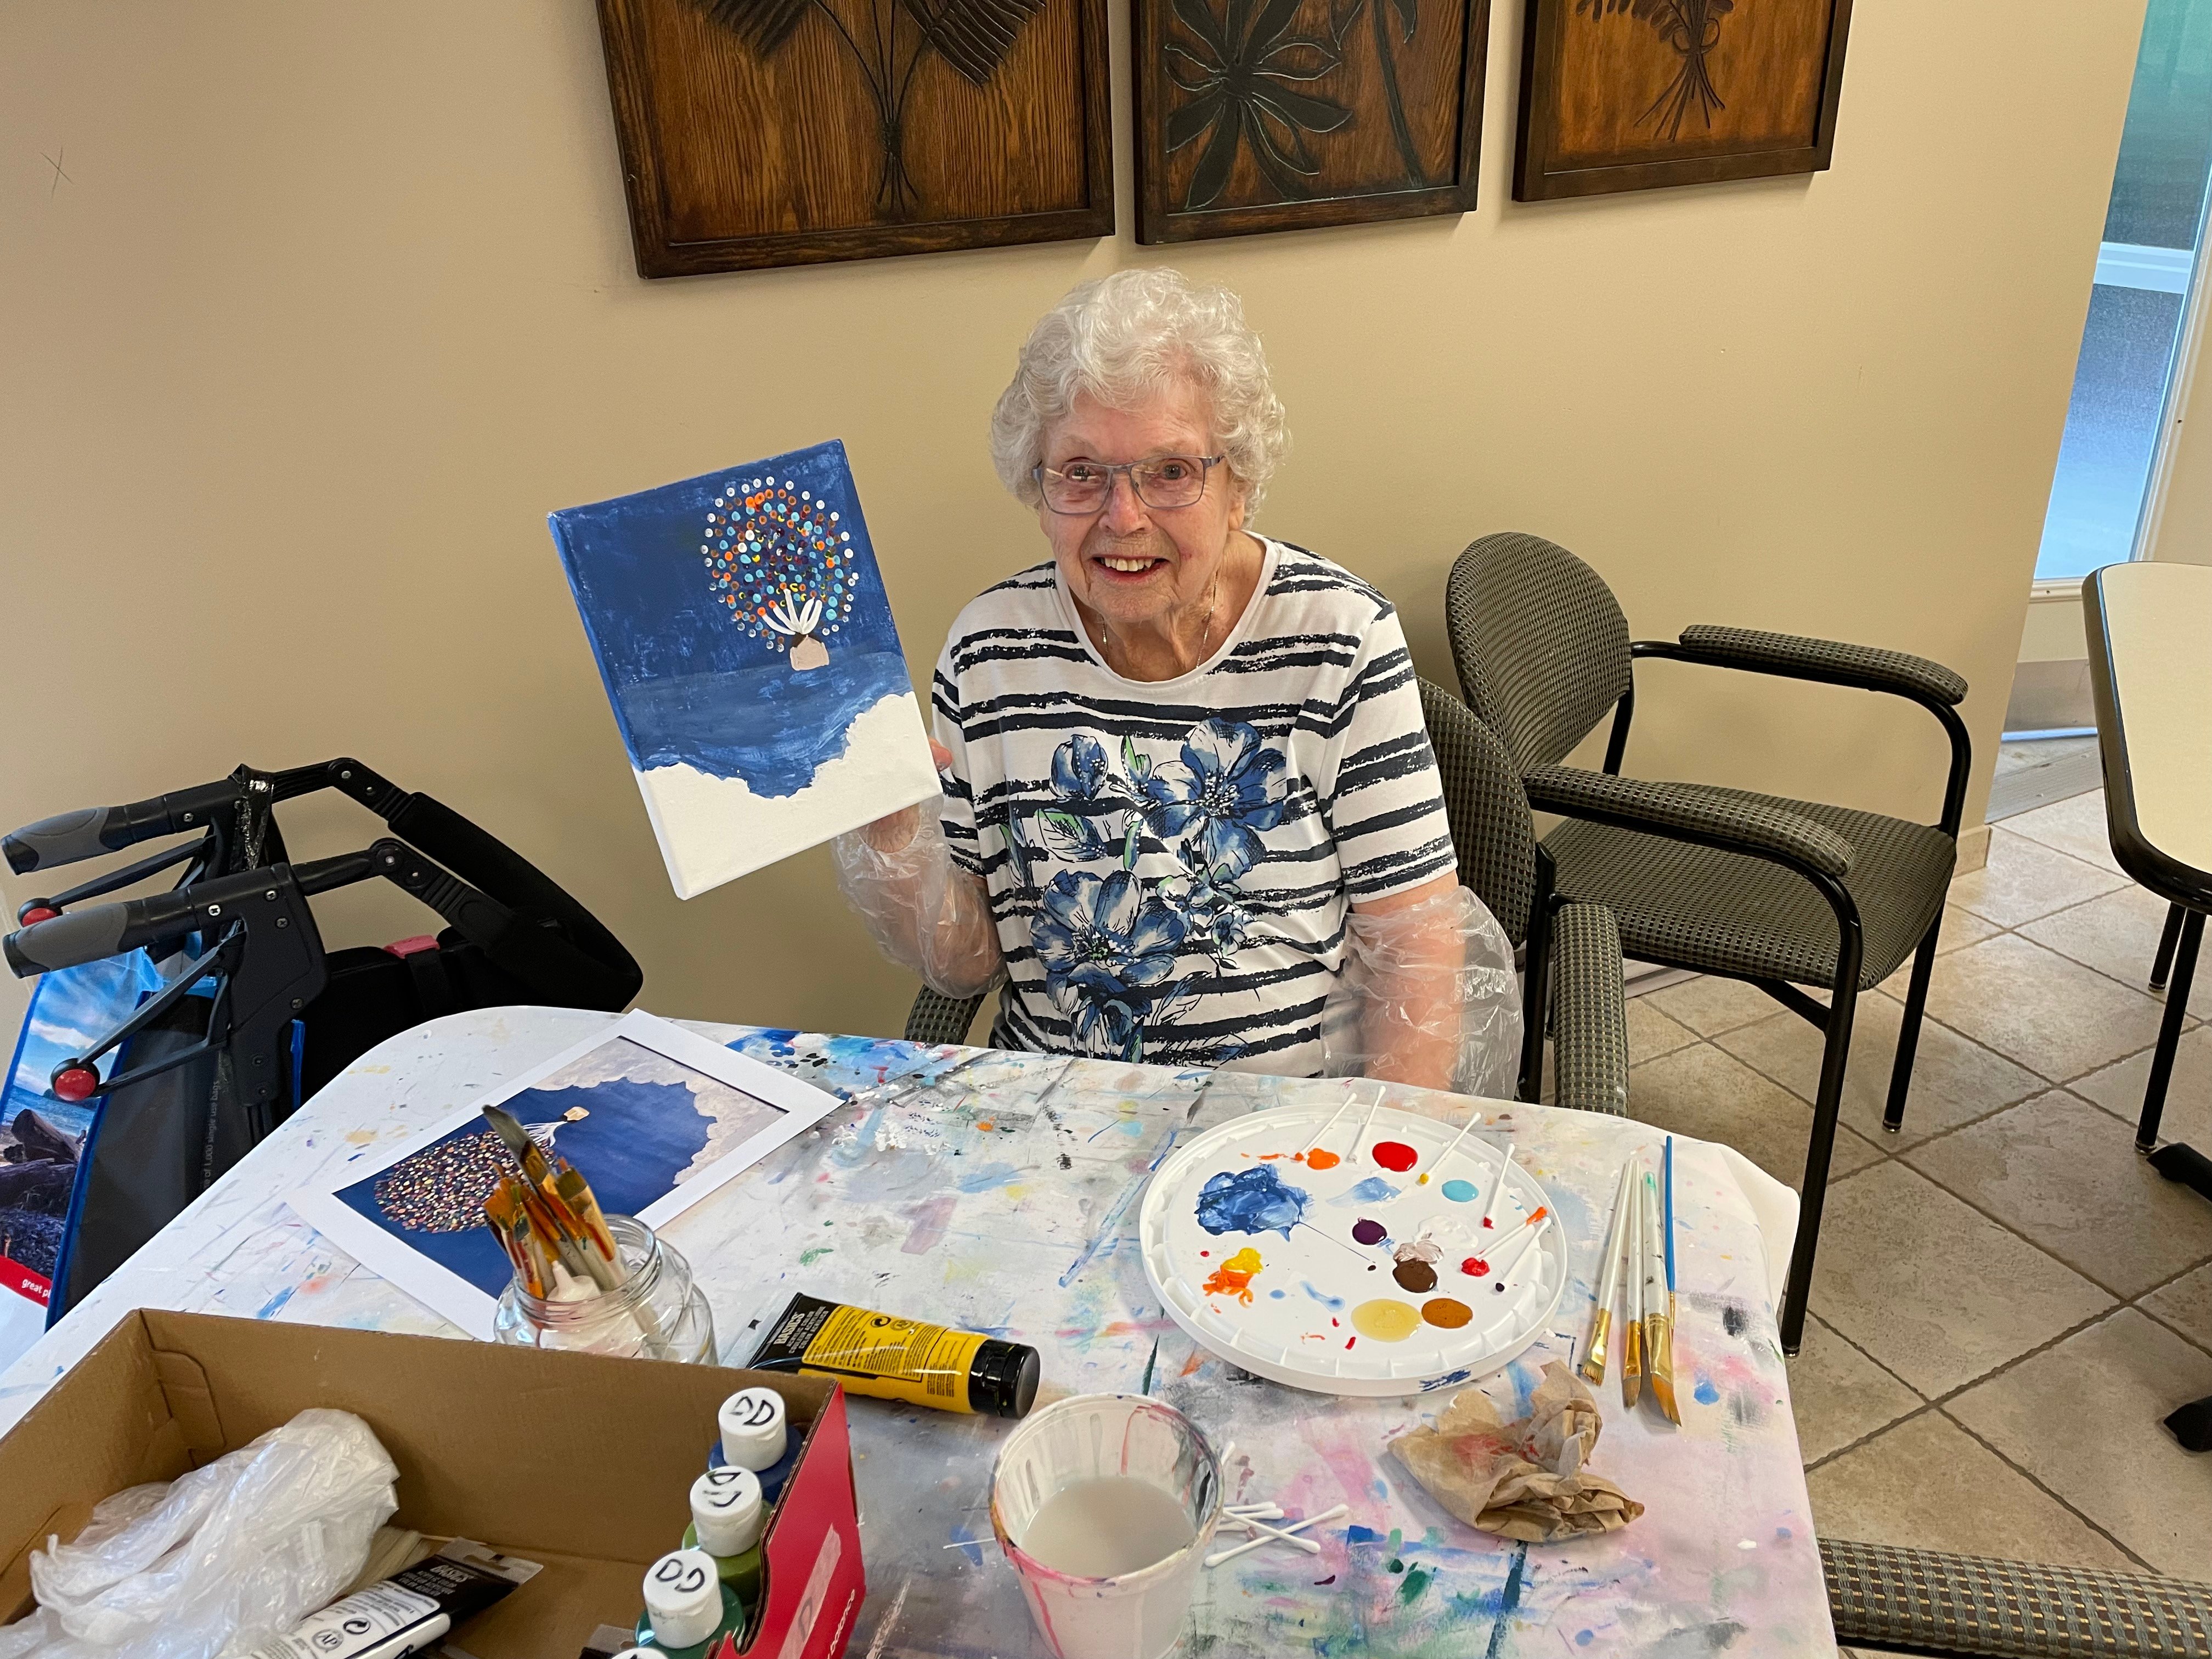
(1136, 567)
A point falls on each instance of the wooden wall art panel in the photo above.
(778, 132)
(1629, 94)
(1280, 114)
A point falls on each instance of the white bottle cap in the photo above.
(753, 1429)
(725, 1509)
(683, 1598)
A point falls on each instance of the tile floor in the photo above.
(2007, 1298)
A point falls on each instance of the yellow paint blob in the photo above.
(1234, 1276)
(1385, 1319)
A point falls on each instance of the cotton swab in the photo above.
(1253, 1511)
(1219, 1556)
(1348, 1098)
(1505, 1169)
(1267, 1535)
(1367, 1125)
(1535, 1217)
(1542, 1221)
(1473, 1118)
(1593, 1366)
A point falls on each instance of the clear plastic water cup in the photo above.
(1138, 1613)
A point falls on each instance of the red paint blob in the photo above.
(1349, 1340)
(1395, 1156)
(1486, 1221)
(1474, 1267)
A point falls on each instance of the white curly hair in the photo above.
(1122, 340)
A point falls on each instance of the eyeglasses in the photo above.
(1165, 482)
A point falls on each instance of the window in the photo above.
(2145, 278)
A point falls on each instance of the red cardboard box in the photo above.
(578, 1462)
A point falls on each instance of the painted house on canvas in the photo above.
(750, 653)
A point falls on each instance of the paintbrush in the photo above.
(572, 1211)
(503, 1210)
(1592, 1365)
(1632, 1306)
(1667, 1166)
(1658, 1323)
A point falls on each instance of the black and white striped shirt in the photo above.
(1171, 863)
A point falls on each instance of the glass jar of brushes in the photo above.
(657, 1311)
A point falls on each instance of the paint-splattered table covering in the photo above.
(1000, 1192)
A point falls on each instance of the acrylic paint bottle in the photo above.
(726, 1518)
(755, 1435)
(688, 1608)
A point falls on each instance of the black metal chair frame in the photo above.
(1835, 1020)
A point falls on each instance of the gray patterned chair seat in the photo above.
(1729, 913)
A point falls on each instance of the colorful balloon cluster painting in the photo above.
(750, 655)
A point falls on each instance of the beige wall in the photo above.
(337, 300)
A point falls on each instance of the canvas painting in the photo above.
(748, 651)
(656, 1117)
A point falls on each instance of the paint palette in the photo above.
(1342, 1270)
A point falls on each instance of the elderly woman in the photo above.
(1190, 811)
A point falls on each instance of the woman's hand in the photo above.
(889, 834)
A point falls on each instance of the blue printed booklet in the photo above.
(748, 651)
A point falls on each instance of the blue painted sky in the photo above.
(687, 684)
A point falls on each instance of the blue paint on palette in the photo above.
(1255, 1201)
(1459, 1191)
(1705, 1393)
(1373, 1190)
(738, 619)
(1321, 1297)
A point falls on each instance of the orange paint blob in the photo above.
(1320, 1159)
(1446, 1313)
(1234, 1276)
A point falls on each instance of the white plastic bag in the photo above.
(1435, 978)
(220, 1560)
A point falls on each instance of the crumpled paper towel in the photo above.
(1526, 1479)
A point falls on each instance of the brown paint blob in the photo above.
(1414, 1275)
(1445, 1312)
(1395, 1156)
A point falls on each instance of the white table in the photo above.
(1004, 1199)
(2150, 666)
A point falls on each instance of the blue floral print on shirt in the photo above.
(1110, 945)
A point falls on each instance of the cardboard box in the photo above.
(578, 1462)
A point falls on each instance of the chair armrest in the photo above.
(1866, 666)
(1922, 1603)
(936, 1017)
(1689, 811)
(1590, 1014)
